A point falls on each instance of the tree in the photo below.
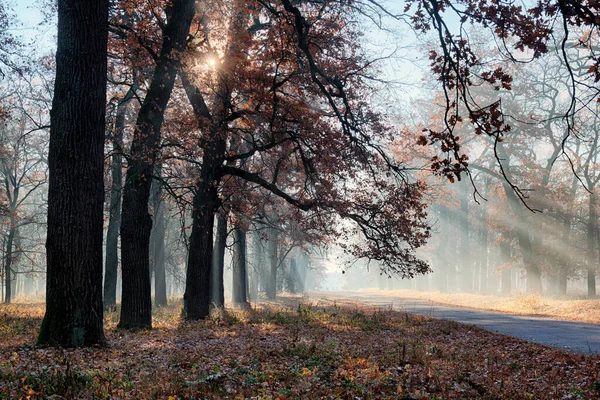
(286, 102)
(22, 173)
(74, 310)
(114, 222)
(136, 224)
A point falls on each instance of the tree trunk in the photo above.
(591, 244)
(441, 272)
(74, 309)
(257, 263)
(217, 289)
(196, 300)
(302, 266)
(136, 224)
(563, 272)
(505, 258)
(484, 277)
(273, 261)
(534, 278)
(158, 244)
(239, 268)
(8, 260)
(293, 281)
(206, 200)
(114, 221)
(465, 258)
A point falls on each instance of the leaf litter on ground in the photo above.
(290, 349)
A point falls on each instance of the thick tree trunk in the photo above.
(196, 300)
(114, 221)
(74, 310)
(273, 263)
(158, 245)
(239, 268)
(217, 289)
(136, 225)
(591, 244)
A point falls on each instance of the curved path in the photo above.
(577, 337)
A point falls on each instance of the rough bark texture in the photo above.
(114, 221)
(196, 300)
(74, 310)
(136, 225)
(217, 289)
(239, 268)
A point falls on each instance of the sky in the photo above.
(30, 28)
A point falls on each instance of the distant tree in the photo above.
(22, 171)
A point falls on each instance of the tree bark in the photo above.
(240, 271)
(217, 289)
(74, 309)
(114, 221)
(136, 224)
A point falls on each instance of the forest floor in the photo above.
(289, 349)
(571, 308)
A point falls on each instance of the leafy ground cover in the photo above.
(289, 350)
(573, 309)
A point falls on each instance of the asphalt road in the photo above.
(577, 337)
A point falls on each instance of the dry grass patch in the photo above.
(583, 310)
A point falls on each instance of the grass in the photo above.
(290, 349)
(572, 309)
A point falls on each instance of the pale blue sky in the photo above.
(30, 17)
